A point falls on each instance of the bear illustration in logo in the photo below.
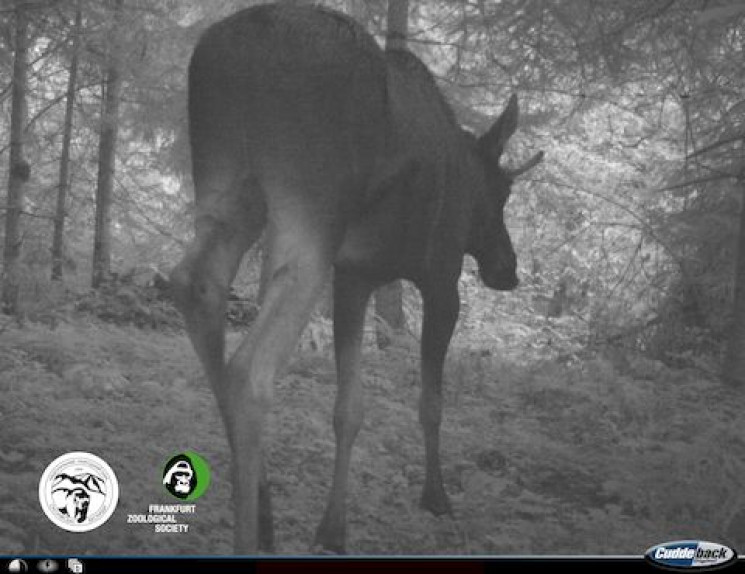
(72, 494)
(78, 491)
(179, 477)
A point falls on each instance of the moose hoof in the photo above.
(329, 540)
(436, 501)
(320, 550)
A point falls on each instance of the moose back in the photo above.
(355, 165)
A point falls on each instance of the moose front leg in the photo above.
(351, 294)
(441, 306)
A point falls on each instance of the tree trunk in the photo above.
(64, 164)
(398, 24)
(389, 313)
(733, 371)
(19, 167)
(389, 299)
(264, 279)
(107, 154)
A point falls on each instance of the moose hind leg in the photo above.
(351, 295)
(266, 517)
(440, 314)
(298, 267)
(230, 217)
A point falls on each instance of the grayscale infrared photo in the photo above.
(385, 278)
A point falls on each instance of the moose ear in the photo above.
(496, 138)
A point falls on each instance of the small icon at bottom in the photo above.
(75, 566)
(47, 566)
(17, 565)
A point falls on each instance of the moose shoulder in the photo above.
(352, 160)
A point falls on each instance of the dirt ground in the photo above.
(540, 457)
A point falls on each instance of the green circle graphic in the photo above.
(201, 470)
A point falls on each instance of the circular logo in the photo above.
(186, 475)
(17, 565)
(78, 491)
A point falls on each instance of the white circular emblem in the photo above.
(78, 491)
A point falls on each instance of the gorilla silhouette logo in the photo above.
(179, 477)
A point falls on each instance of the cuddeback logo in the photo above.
(690, 554)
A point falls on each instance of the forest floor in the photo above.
(585, 456)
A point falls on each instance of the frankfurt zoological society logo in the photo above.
(78, 491)
(186, 476)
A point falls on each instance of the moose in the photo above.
(354, 163)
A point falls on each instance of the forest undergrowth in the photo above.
(544, 452)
